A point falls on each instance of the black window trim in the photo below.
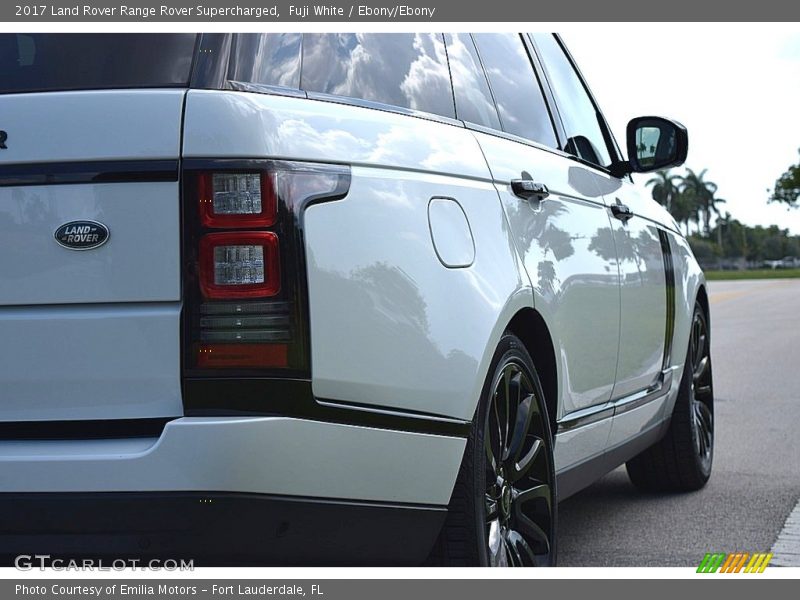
(391, 108)
(482, 67)
(608, 138)
(470, 124)
(503, 133)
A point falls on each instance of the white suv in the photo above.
(331, 298)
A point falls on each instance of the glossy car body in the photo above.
(406, 284)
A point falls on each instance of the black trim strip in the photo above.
(585, 416)
(294, 398)
(62, 173)
(262, 88)
(390, 108)
(216, 528)
(593, 414)
(654, 392)
(82, 430)
(669, 271)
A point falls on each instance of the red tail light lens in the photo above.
(239, 265)
(227, 356)
(237, 200)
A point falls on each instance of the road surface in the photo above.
(755, 484)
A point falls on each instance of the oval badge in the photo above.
(82, 235)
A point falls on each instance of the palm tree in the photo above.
(665, 187)
(702, 191)
(684, 208)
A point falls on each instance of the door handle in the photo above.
(621, 212)
(527, 188)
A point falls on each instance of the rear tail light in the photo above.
(233, 200)
(239, 265)
(245, 290)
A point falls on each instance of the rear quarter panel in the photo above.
(391, 326)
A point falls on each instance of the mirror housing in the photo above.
(654, 143)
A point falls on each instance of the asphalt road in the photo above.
(755, 330)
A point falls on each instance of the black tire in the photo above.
(516, 513)
(682, 460)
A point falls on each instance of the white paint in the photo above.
(269, 455)
(786, 548)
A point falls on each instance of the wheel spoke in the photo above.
(491, 460)
(491, 507)
(535, 534)
(541, 491)
(505, 409)
(520, 469)
(703, 421)
(705, 418)
(700, 369)
(702, 391)
(700, 440)
(521, 426)
(523, 522)
(497, 551)
(521, 549)
(498, 424)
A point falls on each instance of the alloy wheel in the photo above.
(519, 499)
(701, 398)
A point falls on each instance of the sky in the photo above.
(736, 89)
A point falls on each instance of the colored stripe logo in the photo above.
(738, 562)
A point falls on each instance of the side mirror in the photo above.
(654, 143)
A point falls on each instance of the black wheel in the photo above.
(682, 460)
(503, 508)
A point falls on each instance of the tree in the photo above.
(787, 187)
(684, 209)
(665, 188)
(702, 192)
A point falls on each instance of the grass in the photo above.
(753, 274)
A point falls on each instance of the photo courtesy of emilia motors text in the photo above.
(341, 300)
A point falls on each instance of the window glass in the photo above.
(516, 89)
(401, 69)
(267, 58)
(35, 62)
(578, 113)
(474, 102)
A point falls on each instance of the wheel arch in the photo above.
(529, 326)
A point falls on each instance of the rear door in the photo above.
(564, 238)
(635, 233)
(92, 126)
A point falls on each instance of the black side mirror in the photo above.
(654, 143)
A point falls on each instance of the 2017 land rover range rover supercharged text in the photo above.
(320, 298)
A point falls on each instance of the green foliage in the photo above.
(705, 250)
(753, 274)
(787, 187)
(690, 198)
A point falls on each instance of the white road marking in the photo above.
(787, 547)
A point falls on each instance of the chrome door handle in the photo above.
(621, 212)
(527, 188)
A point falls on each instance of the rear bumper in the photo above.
(214, 529)
(258, 490)
(276, 456)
